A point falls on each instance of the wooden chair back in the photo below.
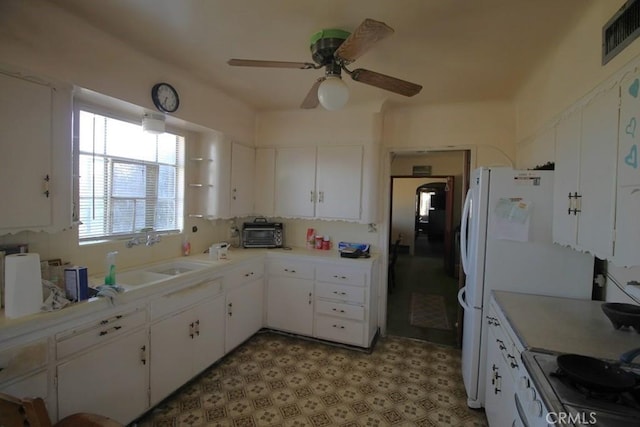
(30, 412)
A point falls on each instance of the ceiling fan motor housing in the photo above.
(324, 43)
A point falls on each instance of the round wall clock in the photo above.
(165, 97)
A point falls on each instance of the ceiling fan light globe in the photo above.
(333, 93)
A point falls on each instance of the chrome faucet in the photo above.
(150, 238)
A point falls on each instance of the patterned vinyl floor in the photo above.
(278, 380)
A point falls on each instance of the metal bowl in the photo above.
(623, 315)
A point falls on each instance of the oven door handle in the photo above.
(520, 409)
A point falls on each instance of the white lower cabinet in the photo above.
(244, 303)
(186, 343)
(345, 304)
(109, 379)
(331, 301)
(23, 370)
(290, 296)
(500, 386)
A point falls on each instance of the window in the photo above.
(129, 180)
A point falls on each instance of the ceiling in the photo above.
(458, 50)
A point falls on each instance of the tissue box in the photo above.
(76, 281)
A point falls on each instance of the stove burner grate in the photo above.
(630, 399)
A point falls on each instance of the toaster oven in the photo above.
(262, 234)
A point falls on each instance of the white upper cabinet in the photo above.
(243, 162)
(339, 182)
(265, 181)
(35, 166)
(627, 249)
(585, 181)
(295, 182)
(223, 179)
(566, 180)
(325, 183)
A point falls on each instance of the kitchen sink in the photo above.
(139, 277)
(173, 268)
(157, 273)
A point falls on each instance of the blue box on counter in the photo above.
(76, 281)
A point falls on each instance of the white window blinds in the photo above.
(129, 180)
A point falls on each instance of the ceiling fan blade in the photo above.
(311, 100)
(385, 82)
(270, 64)
(362, 39)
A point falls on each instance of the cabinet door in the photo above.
(598, 156)
(244, 313)
(110, 380)
(171, 343)
(339, 182)
(290, 304)
(209, 328)
(295, 182)
(265, 181)
(26, 130)
(627, 246)
(242, 179)
(565, 181)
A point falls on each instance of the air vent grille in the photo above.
(621, 30)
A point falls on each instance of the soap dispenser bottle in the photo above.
(110, 269)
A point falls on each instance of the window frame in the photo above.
(132, 118)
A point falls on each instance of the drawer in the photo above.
(108, 328)
(287, 268)
(347, 311)
(341, 274)
(16, 361)
(340, 330)
(350, 294)
(174, 301)
(244, 273)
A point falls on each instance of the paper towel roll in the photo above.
(22, 285)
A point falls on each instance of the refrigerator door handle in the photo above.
(461, 300)
(463, 233)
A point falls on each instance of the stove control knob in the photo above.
(535, 408)
(523, 384)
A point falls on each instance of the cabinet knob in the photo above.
(143, 354)
(46, 179)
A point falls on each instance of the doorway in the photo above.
(424, 216)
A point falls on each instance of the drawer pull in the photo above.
(230, 310)
(289, 271)
(111, 319)
(248, 274)
(310, 300)
(336, 310)
(339, 293)
(191, 329)
(143, 354)
(501, 344)
(197, 328)
(338, 326)
(106, 331)
(335, 276)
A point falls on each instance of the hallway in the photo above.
(422, 274)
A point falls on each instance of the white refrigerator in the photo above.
(506, 244)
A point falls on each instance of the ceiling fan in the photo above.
(334, 50)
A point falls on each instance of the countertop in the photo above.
(565, 325)
(11, 328)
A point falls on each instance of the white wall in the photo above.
(569, 72)
(37, 37)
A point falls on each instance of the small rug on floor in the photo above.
(428, 311)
